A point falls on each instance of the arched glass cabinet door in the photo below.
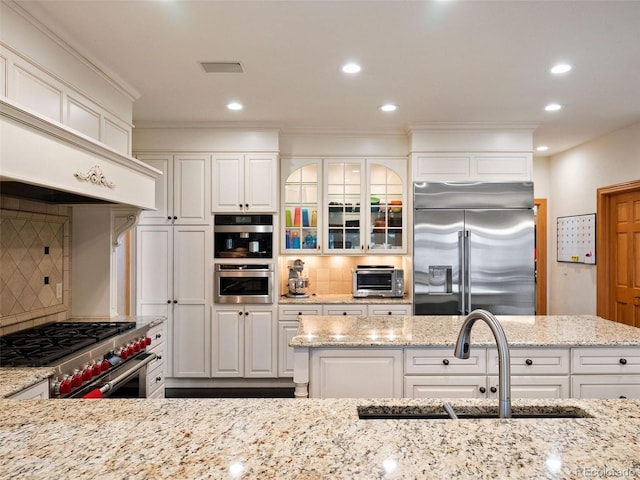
(301, 209)
(387, 199)
(343, 206)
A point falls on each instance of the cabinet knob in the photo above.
(158, 379)
(169, 217)
(175, 217)
(483, 390)
(240, 205)
(168, 301)
(239, 313)
(246, 205)
(158, 335)
(528, 361)
(344, 313)
(299, 313)
(445, 362)
(493, 389)
(175, 301)
(389, 313)
(623, 361)
(246, 313)
(622, 396)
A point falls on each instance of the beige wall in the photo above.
(575, 176)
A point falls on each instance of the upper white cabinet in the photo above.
(182, 193)
(245, 183)
(492, 167)
(344, 205)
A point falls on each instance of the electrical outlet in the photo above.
(59, 290)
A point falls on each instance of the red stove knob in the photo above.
(130, 350)
(136, 347)
(87, 374)
(65, 385)
(76, 379)
(147, 340)
(143, 343)
(105, 365)
(96, 369)
(123, 353)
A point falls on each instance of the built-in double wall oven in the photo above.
(243, 253)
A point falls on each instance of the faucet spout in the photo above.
(461, 350)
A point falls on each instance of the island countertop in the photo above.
(442, 330)
(308, 439)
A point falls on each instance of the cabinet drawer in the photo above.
(605, 386)
(39, 391)
(155, 379)
(157, 334)
(524, 386)
(159, 350)
(345, 310)
(291, 312)
(605, 360)
(375, 309)
(532, 361)
(440, 361)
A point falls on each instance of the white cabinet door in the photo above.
(164, 191)
(191, 287)
(227, 183)
(261, 343)
(605, 386)
(365, 373)
(286, 331)
(228, 342)
(533, 361)
(154, 270)
(261, 183)
(437, 386)
(191, 189)
(541, 386)
(39, 391)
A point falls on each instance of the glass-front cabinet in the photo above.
(344, 205)
(301, 205)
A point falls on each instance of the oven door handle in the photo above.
(120, 378)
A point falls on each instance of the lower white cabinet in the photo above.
(39, 391)
(157, 369)
(245, 341)
(287, 327)
(607, 372)
(355, 373)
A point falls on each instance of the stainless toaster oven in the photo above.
(378, 281)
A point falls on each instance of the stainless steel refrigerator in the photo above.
(473, 247)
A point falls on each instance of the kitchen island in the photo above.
(338, 356)
(308, 439)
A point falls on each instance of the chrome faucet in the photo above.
(461, 350)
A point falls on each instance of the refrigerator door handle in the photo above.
(462, 272)
(467, 268)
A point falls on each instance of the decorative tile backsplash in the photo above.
(34, 263)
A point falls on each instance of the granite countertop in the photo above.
(16, 379)
(342, 299)
(308, 439)
(442, 330)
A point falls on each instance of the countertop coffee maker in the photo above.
(297, 283)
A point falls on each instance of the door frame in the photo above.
(604, 250)
(541, 255)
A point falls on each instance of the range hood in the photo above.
(48, 161)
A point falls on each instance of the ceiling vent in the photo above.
(222, 67)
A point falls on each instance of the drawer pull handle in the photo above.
(445, 362)
(299, 313)
(483, 390)
(344, 313)
(528, 361)
(390, 313)
(623, 361)
(158, 335)
(158, 379)
(622, 396)
(493, 389)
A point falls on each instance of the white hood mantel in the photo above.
(39, 152)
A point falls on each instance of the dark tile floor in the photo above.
(228, 393)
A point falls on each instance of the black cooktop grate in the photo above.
(41, 346)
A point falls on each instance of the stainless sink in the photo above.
(399, 412)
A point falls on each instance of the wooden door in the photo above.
(619, 247)
(626, 258)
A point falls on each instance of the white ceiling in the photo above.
(440, 62)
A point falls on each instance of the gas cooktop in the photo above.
(42, 346)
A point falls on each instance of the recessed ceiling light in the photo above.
(542, 148)
(560, 68)
(351, 68)
(234, 106)
(388, 107)
(553, 107)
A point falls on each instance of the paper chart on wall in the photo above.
(577, 239)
